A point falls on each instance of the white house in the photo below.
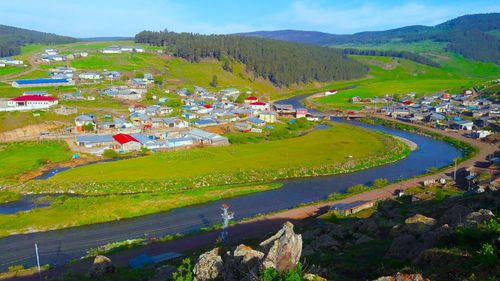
(90, 75)
(28, 102)
(11, 61)
(331, 92)
(112, 50)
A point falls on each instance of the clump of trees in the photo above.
(283, 63)
(397, 54)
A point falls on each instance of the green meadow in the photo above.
(20, 157)
(394, 76)
(321, 147)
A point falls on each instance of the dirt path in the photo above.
(33, 66)
(261, 226)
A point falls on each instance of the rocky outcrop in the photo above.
(419, 223)
(479, 217)
(285, 248)
(283, 251)
(402, 277)
(209, 266)
(102, 265)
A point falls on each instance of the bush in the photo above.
(184, 271)
(110, 153)
(378, 183)
(271, 274)
(486, 255)
(357, 189)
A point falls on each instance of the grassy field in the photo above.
(10, 70)
(230, 163)
(400, 76)
(21, 157)
(67, 211)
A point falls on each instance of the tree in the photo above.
(110, 153)
(214, 81)
(89, 127)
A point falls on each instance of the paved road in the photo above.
(261, 226)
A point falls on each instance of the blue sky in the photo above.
(92, 18)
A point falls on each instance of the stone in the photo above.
(312, 277)
(285, 248)
(208, 266)
(419, 223)
(481, 216)
(326, 242)
(248, 259)
(102, 265)
(402, 277)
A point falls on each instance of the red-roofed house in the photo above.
(28, 102)
(259, 105)
(251, 99)
(330, 92)
(127, 142)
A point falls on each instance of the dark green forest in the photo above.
(283, 63)
(397, 54)
(12, 38)
(467, 35)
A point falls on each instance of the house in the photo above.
(146, 141)
(284, 109)
(111, 75)
(126, 94)
(11, 61)
(83, 121)
(72, 96)
(112, 50)
(2, 64)
(356, 99)
(207, 138)
(230, 92)
(138, 82)
(42, 82)
(127, 143)
(267, 116)
(331, 92)
(256, 121)
(251, 99)
(36, 93)
(178, 142)
(51, 52)
(175, 123)
(204, 122)
(462, 125)
(242, 126)
(90, 75)
(480, 134)
(301, 112)
(95, 141)
(259, 105)
(29, 102)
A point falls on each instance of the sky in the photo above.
(97, 18)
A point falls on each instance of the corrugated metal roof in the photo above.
(41, 81)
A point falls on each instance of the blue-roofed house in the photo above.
(204, 122)
(95, 141)
(42, 82)
(256, 121)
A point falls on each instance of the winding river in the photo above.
(59, 246)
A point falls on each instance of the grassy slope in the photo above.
(74, 211)
(21, 157)
(455, 75)
(317, 148)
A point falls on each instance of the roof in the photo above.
(332, 91)
(34, 98)
(41, 81)
(256, 120)
(204, 122)
(258, 103)
(124, 138)
(251, 98)
(94, 138)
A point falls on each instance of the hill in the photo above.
(282, 63)
(12, 38)
(473, 36)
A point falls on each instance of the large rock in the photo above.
(402, 277)
(419, 223)
(313, 277)
(248, 260)
(102, 265)
(209, 266)
(479, 217)
(285, 248)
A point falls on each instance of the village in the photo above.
(200, 120)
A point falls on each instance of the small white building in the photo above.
(29, 102)
(90, 75)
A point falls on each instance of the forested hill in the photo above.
(473, 36)
(12, 38)
(283, 63)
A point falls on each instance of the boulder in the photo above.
(208, 266)
(248, 259)
(285, 248)
(419, 223)
(402, 277)
(481, 216)
(102, 265)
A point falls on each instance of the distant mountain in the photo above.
(12, 38)
(473, 36)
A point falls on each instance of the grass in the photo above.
(21, 157)
(10, 70)
(318, 148)
(400, 76)
(67, 211)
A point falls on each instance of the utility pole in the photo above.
(226, 217)
(455, 172)
(38, 262)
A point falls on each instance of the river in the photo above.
(60, 246)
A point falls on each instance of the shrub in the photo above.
(110, 153)
(378, 183)
(184, 271)
(486, 255)
(271, 274)
(356, 189)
